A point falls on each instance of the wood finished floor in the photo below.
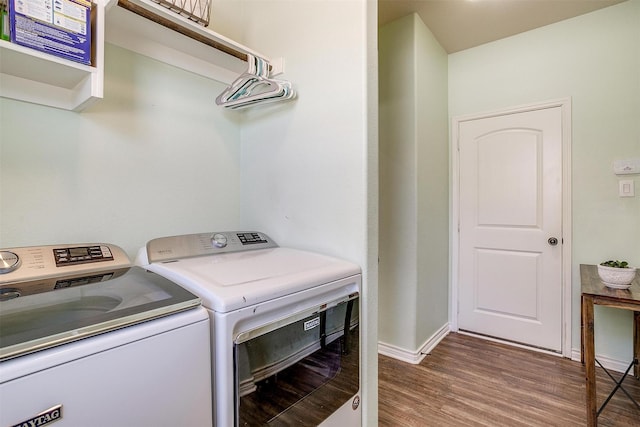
(468, 381)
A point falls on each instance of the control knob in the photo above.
(219, 240)
(9, 261)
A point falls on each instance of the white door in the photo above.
(510, 204)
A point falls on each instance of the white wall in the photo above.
(155, 157)
(594, 59)
(414, 191)
(306, 165)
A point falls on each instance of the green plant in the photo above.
(615, 264)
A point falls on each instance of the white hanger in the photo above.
(254, 86)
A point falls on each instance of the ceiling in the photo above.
(462, 24)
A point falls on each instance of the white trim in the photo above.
(414, 357)
(609, 363)
(565, 105)
(567, 215)
(510, 343)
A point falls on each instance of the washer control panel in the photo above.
(82, 254)
(252, 238)
(165, 249)
(35, 269)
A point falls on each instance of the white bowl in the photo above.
(617, 278)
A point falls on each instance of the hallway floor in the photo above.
(468, 381)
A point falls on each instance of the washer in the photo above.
(87, 339)
(285, 326)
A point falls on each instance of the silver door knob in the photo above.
(552, 241)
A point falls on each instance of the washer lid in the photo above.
(230, 281)
(35, 322)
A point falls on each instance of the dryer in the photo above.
(285, 326)
(87, 339)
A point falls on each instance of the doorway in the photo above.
(511, 263)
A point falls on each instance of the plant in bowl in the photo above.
(616, 274)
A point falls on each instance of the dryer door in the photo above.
(299, 370)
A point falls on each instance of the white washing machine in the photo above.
(88, 340)
(285, 326)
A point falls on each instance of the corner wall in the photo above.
(414, 191)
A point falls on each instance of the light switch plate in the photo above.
(626, 188)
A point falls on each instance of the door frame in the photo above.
(565, 106)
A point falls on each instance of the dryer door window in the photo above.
(300, 370)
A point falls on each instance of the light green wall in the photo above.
(413, 184)
(432, 161)
(398, 213)
(595, 60)
(155, 157)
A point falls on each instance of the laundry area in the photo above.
(156, 155)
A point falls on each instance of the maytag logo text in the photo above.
(42, 419)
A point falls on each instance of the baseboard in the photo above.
(414, 357)
(609, 363)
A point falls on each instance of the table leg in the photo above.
(636, 343)
(582, 330)
(589, 358)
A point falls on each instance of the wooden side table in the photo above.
(595, 292)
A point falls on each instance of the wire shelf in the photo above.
(195, 10)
